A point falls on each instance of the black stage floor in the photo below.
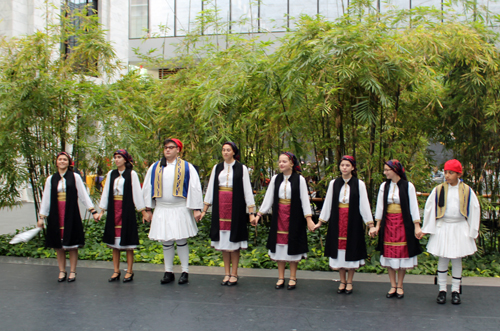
(32, 299)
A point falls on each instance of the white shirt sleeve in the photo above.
(247, 188)
(326, 211)
(209, 194)
(147, 189)
(364, 204)
(82, 192)
(304, 197)
(474, 215)
(105, 193)
(412, 196)
(195, 195)
(267, 204)
(45, 204)
(429, 225)
(137, 192)
(380, 203)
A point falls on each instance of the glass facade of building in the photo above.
(172, 18)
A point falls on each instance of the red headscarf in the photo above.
(453, 165)
(178, 143)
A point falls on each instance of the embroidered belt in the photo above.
(224, 220)
(62, 227)
(61, 196)
(118, 197)
(394, 208)
(342, 238)
(343, 205)
(283, 232)
(285, 201)
(118, 226)
(388, 243)
(226, 189)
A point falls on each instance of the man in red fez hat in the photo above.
(451, 217)
(172, 186)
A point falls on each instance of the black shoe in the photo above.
(232, 283)
(128, 279)
(112, 279)
(224, 283)
(167, 278)
(391, 294)
(455, 298)
(348, 291)
(280, 286)
(184, 278)
(341, 290)
(441, 297)
(72, 279)
(400, 296)
(292, 287)
(60, 280)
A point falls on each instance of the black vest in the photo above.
(239, 218)
(355, 246)
(73, 227)
(412, 242)
(297, 231)
(129, 234)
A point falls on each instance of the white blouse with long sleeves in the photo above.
(452, 211)
(393, 197)
(118, 190)
(194, 197)
(285, 192)
(345, 191)
(226, 180)
(61, 187)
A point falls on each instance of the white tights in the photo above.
(456, 273)
(169, 254)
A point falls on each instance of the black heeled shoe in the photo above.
(400, 296)
(391, 295)
(348, 291)
(70, 280)
(117, 277)
(341, 290)
(232, 283)
(292, 287)
(224, 283)
(60, 280)
(280, 286)
(128, 279)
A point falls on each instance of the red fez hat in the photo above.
(453, 165)
(178, 143)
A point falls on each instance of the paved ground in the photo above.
(31, 299)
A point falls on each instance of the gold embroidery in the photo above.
(283, 232)
(388, 243)
(118, 226)
(342, 238)
(285, 201)
(61, 196)
(179, 179)
(224, 220)
(118, 197)
(394, 208)
(225, 189)
(343, 205)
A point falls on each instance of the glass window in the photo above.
(138, 18)
(301, 7)
(162, 18)
(187, 10)
(245, 16)
(332, 9)
(91, 6)
(273, 15)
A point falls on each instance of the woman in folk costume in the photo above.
(452, 214)
(59, 207)
(398, 221)
(172, 186)
(121, 196)
(288, 198)
(230, 192)
(346, 208)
